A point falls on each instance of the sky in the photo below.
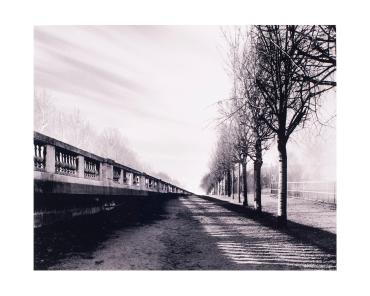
(157, 84)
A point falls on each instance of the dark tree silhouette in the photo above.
(289, 83)
(248, 100)
(321, 51)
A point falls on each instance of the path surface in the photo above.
(198, 234)
(306, 212)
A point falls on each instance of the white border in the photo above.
(18, 18)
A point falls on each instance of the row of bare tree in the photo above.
(279, 75)
(73, 129)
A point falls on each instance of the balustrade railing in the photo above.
(39, 156)
(136, 180)
(65, 163)
(116, 174)
(91, 169)
(55, 157)
(126, 177)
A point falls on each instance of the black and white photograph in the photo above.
(185, 147)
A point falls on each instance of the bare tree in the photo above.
(248, 100)
(321, 50)
(240, 137)
(221, 161)
(113, 145)
(206, 183)
(44, 110)
(243, 143)
(289, 99)
(75, 130)
(256, 107)
(224, 158)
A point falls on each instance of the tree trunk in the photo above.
(283, 184)
(239, 182)
(232, 182)
(245, 188)
(257, 177)
(228, 182)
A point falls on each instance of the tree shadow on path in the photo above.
(323, 239)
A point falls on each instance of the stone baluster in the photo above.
(50, 159)
(68, 163)
(36, 157)
(73, 159)
(62, 162)
(42, 156)
(75, 163)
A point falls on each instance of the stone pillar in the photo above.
(130, 179)
(107, 172)
(81, 166)
(120, 180)
(100, 171)
(50, 159)
(142, 182)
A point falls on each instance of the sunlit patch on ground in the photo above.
(244, 241)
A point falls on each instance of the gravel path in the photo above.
(198, 234)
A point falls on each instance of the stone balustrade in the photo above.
(39, 156)
(65, 162)
(91, 169)
(60, 162)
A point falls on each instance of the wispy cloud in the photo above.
(152, 82)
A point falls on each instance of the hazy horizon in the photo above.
(158, 85)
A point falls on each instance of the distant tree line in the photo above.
(279, 75)
(73, 129)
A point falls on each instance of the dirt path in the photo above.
(177, 241)
(198, 234)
